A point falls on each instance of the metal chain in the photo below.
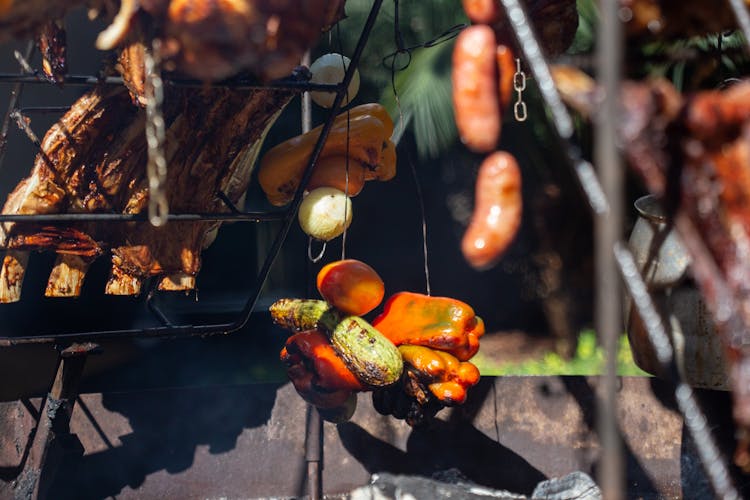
(519, 85)
(156, 168)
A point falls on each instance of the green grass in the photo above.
(588, 360)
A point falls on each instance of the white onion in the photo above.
(330, 69)
(325, 213)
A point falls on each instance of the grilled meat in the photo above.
(93, 160)
(671, 19)
(130, 64)
(203, 39)
(225, 129)
(215, 40)
(24, 18)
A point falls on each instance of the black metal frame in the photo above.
(286, 216)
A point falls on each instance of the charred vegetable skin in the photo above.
(437, 322)
(446, 378)
(336, 355)
(369, 355)
(316, 371)
(436, 338)
(432, 379)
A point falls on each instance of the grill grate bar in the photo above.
(240, 84)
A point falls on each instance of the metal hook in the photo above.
(309, 251)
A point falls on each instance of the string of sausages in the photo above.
(484, 75)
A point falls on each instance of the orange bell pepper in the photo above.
(437, 322)
(444, 375)
(317, 372)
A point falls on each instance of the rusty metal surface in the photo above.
(248, 441)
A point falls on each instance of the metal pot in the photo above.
(663, 262)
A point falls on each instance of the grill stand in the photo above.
(52, 437)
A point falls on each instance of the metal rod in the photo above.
(287, 217)
(314, 452)
(743, 18)
(314, 424)
(695, 422)
(43, 109)
(15, 95)
(184, 217)
(90, 80)
(607, 232)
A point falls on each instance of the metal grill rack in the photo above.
(603, 192)
(286, 216)
(74, 347)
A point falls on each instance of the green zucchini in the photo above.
(367, 352)
(304, 314)
(373, 359)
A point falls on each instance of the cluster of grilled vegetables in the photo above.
(413, 357)
(358, 149)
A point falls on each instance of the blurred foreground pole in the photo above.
(314, 425)
(608, 231)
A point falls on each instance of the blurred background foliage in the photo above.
(588, 359)
(421, 77)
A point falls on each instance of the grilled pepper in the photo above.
(442, 374)
(366, 352)
(437, 322)
(316, 371)
(431, 380)
(361, 133)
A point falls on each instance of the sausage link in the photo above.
(475, 94)
(497, 211)
(506, 69)
(482, 11)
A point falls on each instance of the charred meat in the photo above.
(215, 40)
(93, 160)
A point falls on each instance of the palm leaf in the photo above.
(424, 100)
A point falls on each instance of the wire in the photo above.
(390, 61)
(420, 200)
(348, 124)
